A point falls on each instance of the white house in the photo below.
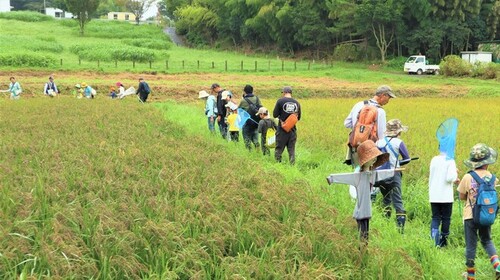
(5, 6)
(477, 56)
(57, 13)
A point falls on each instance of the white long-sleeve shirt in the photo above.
(352, 118)
(441, 177)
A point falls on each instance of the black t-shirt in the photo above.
(286, 106)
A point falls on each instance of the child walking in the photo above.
(264, 124)
(234, 131)
(481, 156)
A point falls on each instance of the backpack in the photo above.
(366, 126)
(147, 90)
(484, 211)
(271, 137)
(253, 109)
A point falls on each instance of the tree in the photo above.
(83, 10)
(138, 7)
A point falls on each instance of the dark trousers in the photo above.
(363, 228)
(288, 140)
(222, 127)
(472, 233)
(441, 216)
(250, 136)
(143, 96)
(391, 190)
(234, 135)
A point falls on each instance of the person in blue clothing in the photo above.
(391, 187)
(143, 90)
(210, 109)
(50, 88)
(14, 89)
(88, 91)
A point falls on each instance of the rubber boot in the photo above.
(443, 242)
(435, 236)
(401, 220)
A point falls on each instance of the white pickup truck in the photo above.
(419, 64)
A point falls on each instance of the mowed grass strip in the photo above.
(107, 190)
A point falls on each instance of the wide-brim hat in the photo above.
(481, 155)
(202, 94)
(368, 151)
(394, 127)
(225, 94)
(84, 84)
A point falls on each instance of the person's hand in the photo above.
(218, 118)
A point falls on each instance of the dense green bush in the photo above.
(29, 59)
(155, 44)
(486, 70)
(453, 65)
(26, 16)
(122, 30)
(347, 52)
(37, 44)
(116, 52)
(396, 63)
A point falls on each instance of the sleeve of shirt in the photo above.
(451, 172)
(381, 123)
(259, 128)
(403, 151)
(276, 111)
(351, 119)
(463, 187)
(343, 178)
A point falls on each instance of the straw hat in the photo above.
(84, 84)
(202, 94)
(368, 151)
(481, 155)
(394, 127)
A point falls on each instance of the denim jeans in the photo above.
(211, 124)
(472, 232)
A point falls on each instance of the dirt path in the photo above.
(187, 86)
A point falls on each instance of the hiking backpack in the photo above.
(484, 211)
(366, 125)
(253, 108)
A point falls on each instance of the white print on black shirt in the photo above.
(290, 107)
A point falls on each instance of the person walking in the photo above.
(210, 109)
(481, 156)
(50, 88)
(382, 96)
(14, 89)
(443, 174)
(221, 109)
(250, 103)
(265, 123)
(391, 187)
(143, 90)
(284, 108)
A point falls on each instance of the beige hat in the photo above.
(202, 94)
(394, 127)
(368, 151)
(385, 89)
(262, 110)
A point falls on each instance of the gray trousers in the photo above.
(391, 190)
(472, 232)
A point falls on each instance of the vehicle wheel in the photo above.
(436, 72)
(419, 72)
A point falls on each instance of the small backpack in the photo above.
(366, 125)
(147, 90)
(271, 137)
(484, 211)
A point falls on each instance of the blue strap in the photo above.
(390, 147)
